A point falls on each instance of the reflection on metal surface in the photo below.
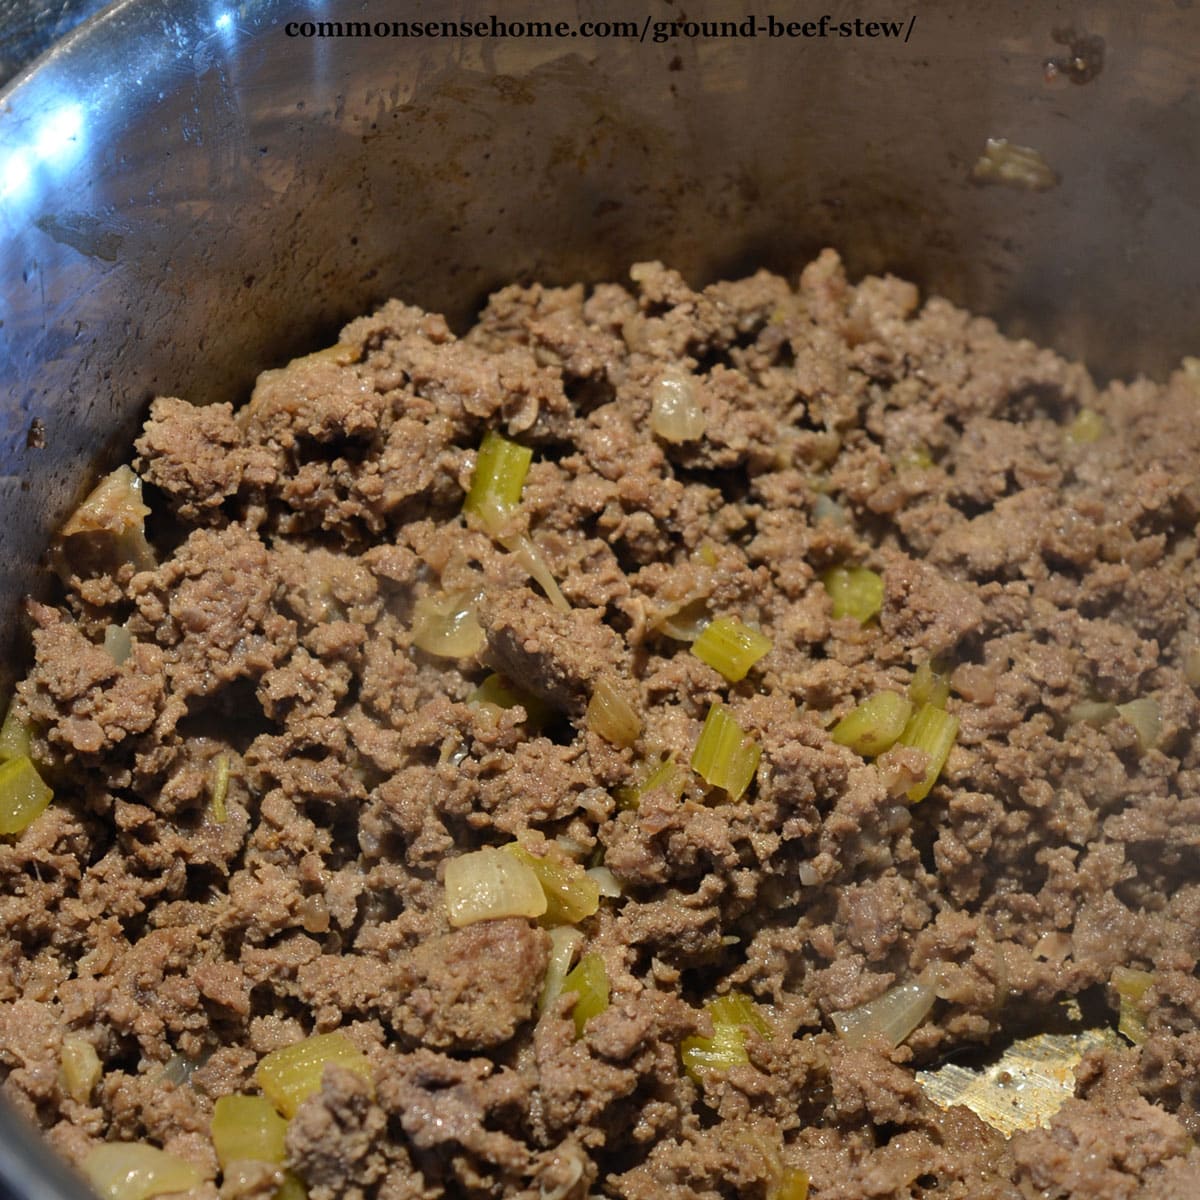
(1025, 1087)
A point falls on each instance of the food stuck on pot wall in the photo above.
(625, 751)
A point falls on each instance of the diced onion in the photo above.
(489, 884)
(676, 414)
(792, 1184)
(1191, 666)
(565, 943)
(1091, 712)
(81, 1069)
(247, 1127)
(1146, 718)
(115, 507)
(289, 1076)
(874, 725)
(23, 795)
(136, 1171)
(687, 623)
(118, 643)
(895, 1014)
(445, 624)
(532, 559)
(611, 716)
(606, 882)
(500, 693)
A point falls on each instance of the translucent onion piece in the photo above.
(1093, 712)
(895, 1014)
(81, 1069)
(289, 1076)
(488, 884)
(115, 506)
(676, 414)
(730, 647)
(445, 625)
(686, 624)
(534, 562)
(589, 981)
(23, 795)
(606, 882)
(136, 1171)
(1146, 718)
(611, 716)
(874, 725)
(571, 894)
(565, 943)
(247, 1127)
(118, 643)
(1191, 668)
(725, 756)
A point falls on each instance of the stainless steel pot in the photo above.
(188, 194)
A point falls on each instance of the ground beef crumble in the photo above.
(844, 425)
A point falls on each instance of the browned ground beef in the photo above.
(844, 425)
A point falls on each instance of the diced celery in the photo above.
(736, 1008)
(293, 1188)
(726, 1048)
(725, 755)
(15, 741)
(730, 647)
(589, 981)
(220, 788)
(732, 1015)
(500, 470)
(1132, 986)
(289, 1076)
(611, 716)
(1087, 427)
(137, 1171)
(933, 730)
(498, 691)
(571, 894)
(874, 725)
(23, 795)
(663, 773)
(792, 1184)
(247, 1127)
(854, 592)
(930, 685)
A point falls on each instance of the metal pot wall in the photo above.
(188, 194)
